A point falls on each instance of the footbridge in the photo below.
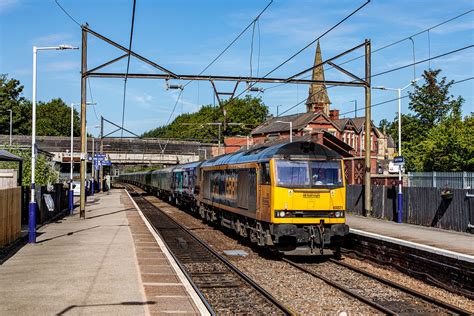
(121, 151)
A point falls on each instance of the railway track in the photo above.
(225, 289)
(384, 295)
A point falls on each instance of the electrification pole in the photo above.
(82, 207)
(368, 138)
(101, 170)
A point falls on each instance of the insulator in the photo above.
(256, 89)
(175, 86)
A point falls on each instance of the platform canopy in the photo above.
(8, 156)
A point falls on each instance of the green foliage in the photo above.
(11, 99)
(52, 118)
(192, 126)
(44, 170)
(435, 137)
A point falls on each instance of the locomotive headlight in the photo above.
(339, 214)
(282, 214)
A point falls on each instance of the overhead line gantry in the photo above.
(167, 74)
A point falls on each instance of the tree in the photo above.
(434, 136)
(44, 170)
(11, 99)
(249, 111)
(52, 118)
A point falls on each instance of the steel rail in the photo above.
(181, 267)
(228, 264)
(342, 288)
(403, 288)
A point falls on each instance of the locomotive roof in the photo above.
(299, 149)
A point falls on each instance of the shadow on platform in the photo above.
(133, 303)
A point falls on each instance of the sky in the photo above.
(184, 36)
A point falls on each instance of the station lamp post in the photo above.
(32, 206)
(291, 128)
(400, 192)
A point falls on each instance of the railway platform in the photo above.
(109, 263)
(455, 245)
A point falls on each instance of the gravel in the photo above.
(308, 295)
(396, 276)
(300, 292)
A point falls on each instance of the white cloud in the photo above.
(7, 5)
(144, 99)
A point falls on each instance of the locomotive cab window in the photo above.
(294, 174)
(265, 173)
(326, 173)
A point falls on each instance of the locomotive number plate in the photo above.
(311, 195)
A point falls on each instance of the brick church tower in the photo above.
(318, 99)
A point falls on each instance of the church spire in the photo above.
(318, 99)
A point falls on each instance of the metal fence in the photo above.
(421, 206)
(436, 179)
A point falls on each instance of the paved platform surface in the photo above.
(90, 267)
(449, 241)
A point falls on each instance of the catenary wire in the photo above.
(386, 72)
(65, 12)
(233, 41)
(390, 44)
(405, 96)
(308, 45)
(92, 98)
(258, 57)
(128, 68)
(251, 48)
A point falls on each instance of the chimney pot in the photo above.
(334, 114)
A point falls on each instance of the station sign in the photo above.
(104, 163)
(97, 157)
(399, 161)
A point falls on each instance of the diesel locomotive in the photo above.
(289, 197)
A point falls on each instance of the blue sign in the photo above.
(100, 155)
(105, 163)
(399, 160)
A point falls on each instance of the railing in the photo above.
(10, 215)
(436, 179)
